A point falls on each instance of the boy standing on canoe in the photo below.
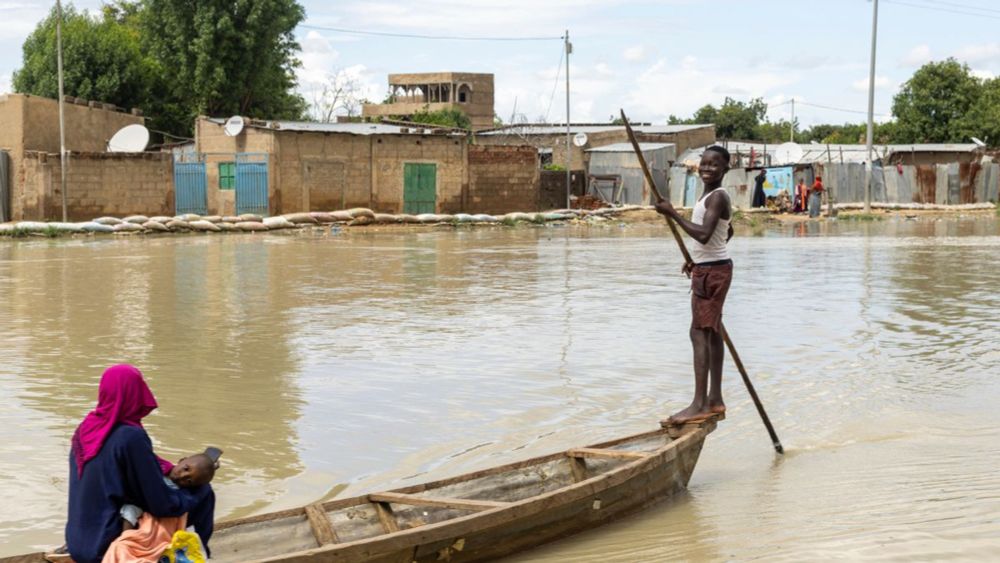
(710, 275)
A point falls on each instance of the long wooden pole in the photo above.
(687, 260)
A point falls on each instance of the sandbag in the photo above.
(128, 228)
(155, 226)
(251, 226)
(108, 221)
(558, 216)
(31, 226)
(212, 218)
(323, 217)
(66, 227)
(361, 212)
(407, 218)
(94, 227)
(226, 226)
(188, 217)
(251, 217)
(300, 218)
(518, 216)
(464, 218)
(204, 225)
(278, 222)
(231, 219)
(161, 219)
(341, 216)
(137, 219)
(429, 218)
(386, 218)
(484, 218)
(362, 220)
(178, 225)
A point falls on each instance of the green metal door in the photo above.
(419, 188)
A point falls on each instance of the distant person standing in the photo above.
(799, 201)
(816, 197)
(759, 199)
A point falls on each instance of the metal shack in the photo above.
(615, 176)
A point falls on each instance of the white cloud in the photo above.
(5, 86)
(634, 54)
(916, 56)
(881, 82)
(664, 89)
(318, 58)
(982, 73)
(983, 53)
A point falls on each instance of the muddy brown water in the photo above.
(330, 365)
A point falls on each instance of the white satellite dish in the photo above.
(131, 138)
(979, 142)
(787, 153)
(234, 126)
(580, 139)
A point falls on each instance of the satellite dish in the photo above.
(131, 138)
(788, 153)
(580, 139)
(979, 142)
(234, 126)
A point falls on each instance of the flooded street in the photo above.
(333, 365)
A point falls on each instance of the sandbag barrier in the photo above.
(359, 216)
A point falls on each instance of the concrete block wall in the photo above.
(97, 184)
(502, 179)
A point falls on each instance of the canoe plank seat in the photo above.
(442, 502)
(678, 430)
(605, 453)
(321, 526)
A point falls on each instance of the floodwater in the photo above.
(328, 365)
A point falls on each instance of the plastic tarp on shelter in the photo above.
(778, 179)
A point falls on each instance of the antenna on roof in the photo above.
(979, 142)
(234, 126)
(131, 138)
(788, 153)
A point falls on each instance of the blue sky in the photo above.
(654, 58)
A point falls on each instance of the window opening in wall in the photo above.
(227, 175)
(461, 97)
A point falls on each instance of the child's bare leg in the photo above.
(718, 354)
(700, 343)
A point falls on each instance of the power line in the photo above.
(562, 53)
(967, 6)
(421, 36)
(948, 10)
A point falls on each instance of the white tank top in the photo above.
(715, 248)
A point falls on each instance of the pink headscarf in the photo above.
(122, 398)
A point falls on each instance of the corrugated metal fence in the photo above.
(944, 184)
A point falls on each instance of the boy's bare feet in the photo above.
(717, 407)
(693, 413)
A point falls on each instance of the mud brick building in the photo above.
(99, 182)
(274, 167)
(471, 93)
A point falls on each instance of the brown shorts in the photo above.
(709, 286)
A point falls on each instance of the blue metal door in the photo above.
(190, 188)
(251, 183)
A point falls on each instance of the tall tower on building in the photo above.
(471, 93)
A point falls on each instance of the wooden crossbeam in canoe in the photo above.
(321, 526)
(442, 502)
(599, 452)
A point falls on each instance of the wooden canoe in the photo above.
(473, 517)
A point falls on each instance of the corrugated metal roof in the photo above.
(627, 147)
(525, 130)
(349, 128)
(812, 153)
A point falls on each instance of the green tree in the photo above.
(932, 106)
(450, 117)
(733, 120)
(102, 60)
(224, 57)
(983, 118)
(778, 132)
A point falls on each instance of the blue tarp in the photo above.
(779, 179)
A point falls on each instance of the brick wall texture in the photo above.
(502, 179)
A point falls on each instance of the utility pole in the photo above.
(62, 122)
(869, 170)
(569, 156)
(791, 125)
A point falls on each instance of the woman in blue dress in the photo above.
(112, 463)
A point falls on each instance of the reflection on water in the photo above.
(330, 365)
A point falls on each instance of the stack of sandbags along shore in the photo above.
(249, 222)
